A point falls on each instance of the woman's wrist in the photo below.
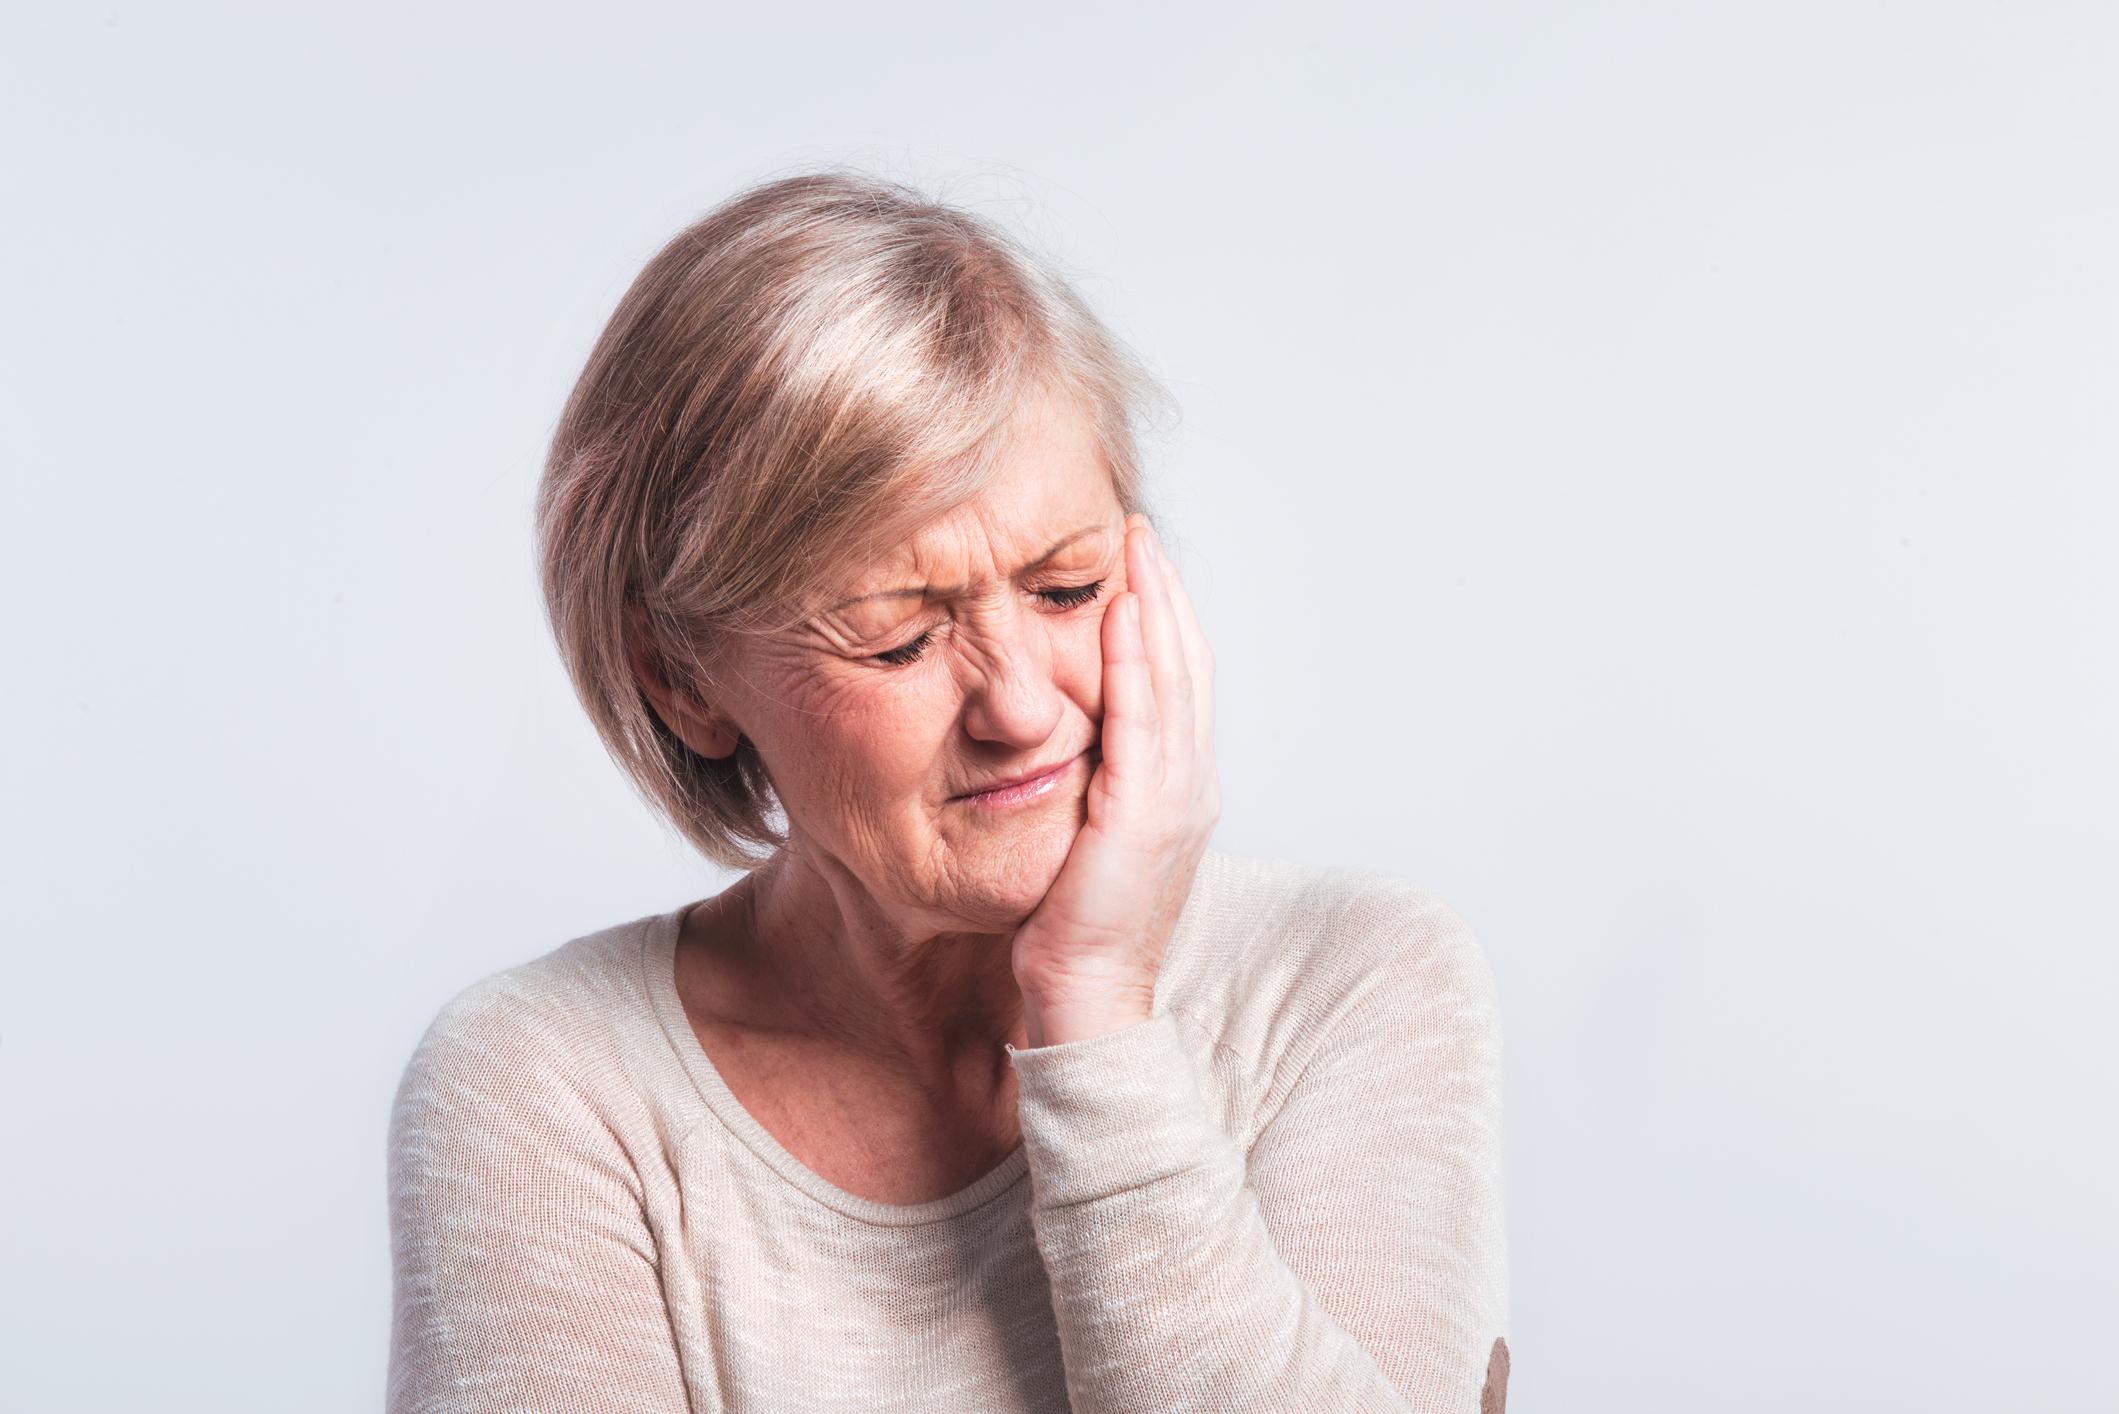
(1054, 1019)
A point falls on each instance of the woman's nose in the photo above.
(1012, 699)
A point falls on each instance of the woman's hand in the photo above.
(1086, 959)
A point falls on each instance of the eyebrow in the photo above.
(922, 591)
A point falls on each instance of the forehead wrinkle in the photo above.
(1065, 541)
(930, 591)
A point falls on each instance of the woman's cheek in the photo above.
(887, 734)
(1078, 661)
(824, 738)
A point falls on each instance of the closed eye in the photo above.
(1072, 598)
(905, 653)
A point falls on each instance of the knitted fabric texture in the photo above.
(1283, 1193)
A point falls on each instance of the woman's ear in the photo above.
(697, 724)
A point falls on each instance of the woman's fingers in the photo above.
(1132, 731)
(1199, 658)
(1189, 733)
(1163, 639)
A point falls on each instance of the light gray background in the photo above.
(1648, 471)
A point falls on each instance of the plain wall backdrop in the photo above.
(1648, 472)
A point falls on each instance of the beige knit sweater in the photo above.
(1284, 1193)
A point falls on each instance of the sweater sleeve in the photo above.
(526, 1274)
(1353, 1260)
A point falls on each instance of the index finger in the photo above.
(1199, 656)
(1163, 638)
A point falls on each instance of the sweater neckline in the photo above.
(658, 958)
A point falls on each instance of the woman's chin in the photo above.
(995, 880)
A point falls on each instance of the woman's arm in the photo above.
(1381, 1177)
(1355, 1262)
(526, 1273)
(1361, 1267)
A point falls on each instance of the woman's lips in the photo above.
(1018, 789)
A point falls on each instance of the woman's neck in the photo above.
(802, 948)
(869, 1050)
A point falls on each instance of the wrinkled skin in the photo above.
(995, 752)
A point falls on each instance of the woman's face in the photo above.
(934, 732)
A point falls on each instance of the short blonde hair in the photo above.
(794, 383)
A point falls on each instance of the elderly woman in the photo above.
(987, 1087)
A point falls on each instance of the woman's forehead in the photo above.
(1048, 499)
(951, 558)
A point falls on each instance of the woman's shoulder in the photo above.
(581, 1014)
(537, 1105)
(570, 986)
(1271, 956)
(1285, 917)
